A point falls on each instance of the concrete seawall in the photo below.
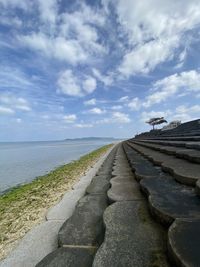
(42, 239)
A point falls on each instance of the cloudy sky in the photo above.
(96, 68)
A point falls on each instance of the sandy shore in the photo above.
(27, 206)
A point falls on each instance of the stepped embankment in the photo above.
(141, 208)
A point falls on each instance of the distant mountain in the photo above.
(91, 139)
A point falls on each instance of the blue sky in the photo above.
(96, 68)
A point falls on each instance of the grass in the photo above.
(25, 206)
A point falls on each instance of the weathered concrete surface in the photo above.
(141, 166)
(124, 171)
(187, 144)
(184, 242)
(145, 170)
(68, 257)
(124, 189)
(194, 145)
(169, 200)
(85, 226)
(36, 244)
(64, 209)
(123, 185)
(197, 189)
(188, 154)
(82, 184)
(98, 185)
(183, 171)
(132, 239)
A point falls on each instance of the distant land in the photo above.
(91, 139)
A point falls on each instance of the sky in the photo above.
(96, 68)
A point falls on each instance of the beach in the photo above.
(25, 207)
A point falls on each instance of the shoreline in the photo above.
(27, 174)
(26, 206)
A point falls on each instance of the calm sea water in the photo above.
(22, 162)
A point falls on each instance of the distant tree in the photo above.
(156, 121)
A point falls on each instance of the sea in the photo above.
(21, 162)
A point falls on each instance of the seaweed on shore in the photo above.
(24, 206)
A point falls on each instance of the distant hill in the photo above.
(91, 139)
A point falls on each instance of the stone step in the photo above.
(193, 145)
(85, 226)
(184, 243)
(124, 189)
(183, 171)
(169, 200)
(123, 184)
(177, 138)
(68, 256)
(182, 133)
(106, 167)
(140, 165)
(188, 154)
(142, 170)
(99, 185)
(122, 169)
(132, 238)
(197, 189)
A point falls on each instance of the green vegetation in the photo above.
(25, 206)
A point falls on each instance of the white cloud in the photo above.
(106, 80)
(14, 78)
(18, 120)
(69, 84)
(182, 113)
(120, 117)
(90, 102)
(169, 86)
(115, 117)
(58, 48)
(83, 125)
(146, 57)
(6, 111)
(45, 117)
(71, 37)
(89, 85)
(14, 103)
(69, 118)
(135, 104)
(14, 21)
(21, 104)
(179, 85)
(123, 99)
(117, 107)
(23, 4)
(48, 10)
(185, 113)
(82, 23)
(96, 111)
(154, 31)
